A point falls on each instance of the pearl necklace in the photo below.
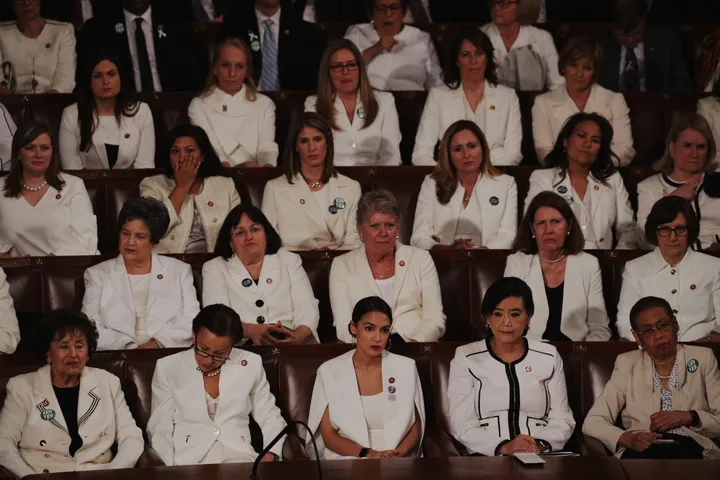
(211, 374)
(551, 261)
(34, 189)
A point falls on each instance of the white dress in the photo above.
(373, 408)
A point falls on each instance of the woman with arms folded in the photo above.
(368, 402)
(524, 405)
(140, 299)
(581, 170)
(239, 121)
(107, 128)
(364, 122)
(667, 395)
(405, 277)
(187, 425)
(42, 211)
(565, 281)
(263, 282)
(66, 416)
(471, 92)
(311, 205)
(195, 194)
(465, 202)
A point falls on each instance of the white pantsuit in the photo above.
(9, 328)
(416, 304)
(337, 392)
(552, 109)
(304, 224)
(217, 197)
(502, 126)
(356, 145)
(491, 214)
(283, 293)
(33, 432)
(180, 429)
(136, 149)
(240, 130)
(584, 317)
(709, 107)
(171, 307)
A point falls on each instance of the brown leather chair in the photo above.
(63, 284)
(288, 107)
(648, 120)
(410, 106)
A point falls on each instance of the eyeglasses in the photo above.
(395, 7)
(339, 67)
(503, 3)
(662, 326)
(217, 358)
(680, 231)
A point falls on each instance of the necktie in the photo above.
(146, 80)
(200, 13)
(631, 73)
(269, 75)
(418, 12)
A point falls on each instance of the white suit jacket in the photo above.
(50, 58)
(7, 132)
(437, 224)
(213, 203)
(137, 142)
(283, 293)
(240, 130)
(502, 129)
(552, 109)
(416, 306)
(180, 429)
(692, 288)
(611, 208)
(378, 144)
(62, 223)
(9, 328)
(584, 317)
(336, 390)
(30, 444)
(709, 107)
(305, 225)
(171, 307)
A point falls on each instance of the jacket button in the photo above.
(216, 431)
(675, 312)
(127, 135)
(214, 220)
(43, 443)
(172, 237)
(261, 319)
(46, 471)
(259, 303)
(673, 291)
(672, 272)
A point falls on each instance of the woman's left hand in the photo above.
(664, 421)
(296, 337)
(149, 344)
(269, 457)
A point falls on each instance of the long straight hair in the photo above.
(212, 82)
(26, 134)
(291, 157)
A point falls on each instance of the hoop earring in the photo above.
(388, 345)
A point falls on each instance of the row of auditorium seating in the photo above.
(291, 374)
(651, 116)
(40, 285)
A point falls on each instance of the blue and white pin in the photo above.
(337, 205)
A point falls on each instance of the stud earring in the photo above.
(354, 340)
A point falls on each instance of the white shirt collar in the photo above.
(130, 17)
(275, 18)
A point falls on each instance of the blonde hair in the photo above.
(212, 82)
(325, 105)
(688, 121)
(528, 11)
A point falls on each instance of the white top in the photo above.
(386, 286)
(412, 64)
(209, 7)
(709, 107)
(374, 410)
(582, 208)
(477, 116)
(470, 222)
(108, 130)
(140, 286)
(715, 79)
(7, 131)
(87, 10)
(212, 405)
(147, 25)
(640, 54)
(322, 197)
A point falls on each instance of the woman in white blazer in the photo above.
(566, 283)
(405, 277)
(364, 122)
(65, 416)
(709, 107)
(43, 212)
(465, 202)
(687, 170)
(368, 402)
(202, 398)
(263, 282)
(139, 299)
(239, 121)
(9, 328)
(106, 128)
(507, 394)
(40, 52)
(688, 280)
(581, 170)
(526, 56)
(580, 65)
(193, 190)
(312, 206)
(471, 92)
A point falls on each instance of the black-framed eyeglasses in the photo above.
(339, 67)
(503, 3)
(217, 358)
(680, 231)
(395, 7)
(662, 326)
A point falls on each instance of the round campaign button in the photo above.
(246, 283)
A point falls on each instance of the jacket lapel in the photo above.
(45, 401)
(356, 426)
(241, 276)
(537, 285)
(336, 222)
(679, 399)
(88, 401)
(100, 151)
(192, 394)
(597, 192)
(121, 282)
(126, 139)
(364, 272)
(402, 264)
(563, 106)
(573, 288)
(490, 200)
(492, 112)
(449, 216)
(269, 275)
(303, 199)
(158, 283)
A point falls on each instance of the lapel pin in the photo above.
(530, 47)
(361, 112)
(492, 107)
(402, 263)
(246, 283)
(127, 135)
(161, 32)
(160, 277)
(119, 28)
(211, 204)
(391, 389)
(692, 366)
(45, 403)
(302, 201)
(596, 188)
(58, 196)
(333, 209)
(391, 380)
(339, 203)
(665, 192)
(562, 189)
(48, 45)
(528, 369)
(252, 35)
(269, 281)
(50, 414)
(494, 201)
(693, 287)
(244, 363)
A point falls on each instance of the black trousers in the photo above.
(683, 448)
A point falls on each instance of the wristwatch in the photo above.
(363, 452)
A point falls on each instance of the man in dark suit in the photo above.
(155, 55)
(641, 56)
(286, 50)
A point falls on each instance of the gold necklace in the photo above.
(317, 184)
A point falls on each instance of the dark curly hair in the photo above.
(221, 321)
(272, 238)
(665, 211)
(56, 324)
(210, 166)
(151, 211)
(451, 72)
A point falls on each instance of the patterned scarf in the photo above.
(709, 58)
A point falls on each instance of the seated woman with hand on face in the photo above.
(523, 406)
(368, 402)
(466, 202)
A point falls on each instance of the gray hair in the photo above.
(377, 201)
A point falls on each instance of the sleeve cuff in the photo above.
(499, 446)
(545, 445)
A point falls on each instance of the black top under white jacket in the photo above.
(491, 402)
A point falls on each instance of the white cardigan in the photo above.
(9, 328)
(552, 109)
(502, 129)
(337, 392)
(709, 107)
(240, 130)
(496, 197)
(584, 317)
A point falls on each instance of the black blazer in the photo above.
(444, 11)
(665, 66)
